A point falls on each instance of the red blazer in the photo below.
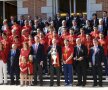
(66, 52)
(3, 56)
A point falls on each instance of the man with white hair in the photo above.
(80, 54)
(54, 51)
(60, 30)
(13, 64)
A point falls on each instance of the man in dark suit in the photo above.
(96, 57)
(68, 20)
(13, 64)
(75, 27)
(21, 21)
(58, 21)
(37, 50)
(94, 21)
(29, 18)
(11, 22)
(80, 57)
(105, 22)
(54, 50)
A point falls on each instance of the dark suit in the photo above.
(52, 67)
(96, 66)
(21, 23)
(37, 58)
(95, 23)
(58, 23)
(81, 65)
(13, 64)
(105, 25)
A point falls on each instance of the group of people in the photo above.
(30, 49)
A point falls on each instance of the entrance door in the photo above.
(10, 9)
(72, 6)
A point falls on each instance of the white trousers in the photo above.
(3, 72)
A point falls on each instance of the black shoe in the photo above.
(17, 82)
(51, 84)
(78, 84)
(83, 85)
(94, 85)
(100, 85)
(1, 83)
(5, 84)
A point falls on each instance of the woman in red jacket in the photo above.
(25, 51)
(3, 65)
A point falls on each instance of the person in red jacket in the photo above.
(7, 44)
(23, 71)
(72, 37)
(3, 65)
(67, 54)
(82, 36)
(95, 33)
(17, 28)
(30, 69)
(25, 51)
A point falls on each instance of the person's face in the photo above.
(74, 23)
(5, 22)
(64, 23)
(36, 40)
(66, 43)
(101, 22)
(87, 22)
(82, 31)
(54, 42)
(24, 45)
(26, 23)
(95, 43)
(87, 37)
(104, 14)
(71, 32)
(78, 42)
(95, 29)
(14, 47)
(101, 35)
(94, 17)
(12, 18)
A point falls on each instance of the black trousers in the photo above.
(97, 70)
(81, 72)
(38, 71)
(14, 70)
(57, 71)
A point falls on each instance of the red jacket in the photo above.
(3, 56)
(66, 52)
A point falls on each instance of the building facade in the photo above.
(46, 8)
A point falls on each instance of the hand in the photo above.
(102, 63)
(41, 63)
(74, 58)
(64, 62)
(81, 58)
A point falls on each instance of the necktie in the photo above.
(36, 48)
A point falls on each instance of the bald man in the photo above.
(80, 55)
